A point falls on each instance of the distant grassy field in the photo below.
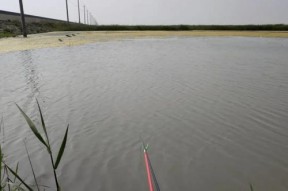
(13, 28)
(278, 27)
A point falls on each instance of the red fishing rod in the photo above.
(149, 177)
(149, 170)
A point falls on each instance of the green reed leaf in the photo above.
(30, 162)
(17, 167)
(17, 187)
(62, 148)
(251, 187)
(32, 127)
(20, 179)
(43, 123)
(0, 167)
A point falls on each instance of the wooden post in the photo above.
(24, 31)
(87, 21)
(79, 12)
(67, 11)
(84, 15)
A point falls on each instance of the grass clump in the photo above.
(6, 181)
(6, 34)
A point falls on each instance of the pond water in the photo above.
(214, 112)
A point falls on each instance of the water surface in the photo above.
(213, 110)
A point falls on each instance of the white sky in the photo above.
(152, 12)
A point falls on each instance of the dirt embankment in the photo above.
(10, 28)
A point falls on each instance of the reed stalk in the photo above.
(46, 142)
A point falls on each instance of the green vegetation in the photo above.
(251, 187)
(5, 34)
(6, 181)
(77, 27)
(9, 28)
(13, 28)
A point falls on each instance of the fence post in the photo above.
(67, 11)
(87, 18)
(84, 15)
(79, 12)
(24, 31)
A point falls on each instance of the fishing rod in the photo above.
(149, 170)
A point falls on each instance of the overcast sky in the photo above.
(161, 11)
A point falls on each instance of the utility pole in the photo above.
(87, 17)
(79, 12)
(91, 19)
(67, 11)
(87, 20)
(84, 15)
(23, 19)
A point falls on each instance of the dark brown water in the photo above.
(213, 110)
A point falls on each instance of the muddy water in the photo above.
(213, 110)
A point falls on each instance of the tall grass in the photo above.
(6, 181)
(46, 142)
(30, 162)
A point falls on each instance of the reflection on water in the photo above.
(30, 72)
(213, 110)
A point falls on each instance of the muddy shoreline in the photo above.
(73, 38)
